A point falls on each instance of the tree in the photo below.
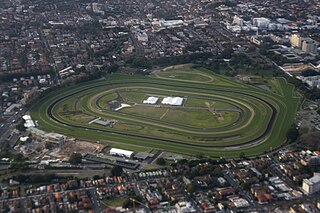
(128, 203)
(117, 171)
(19, 157)
(113, 68)
(75, 158)
(217, 172)
(242, 155)
(161, 161)
(245, 185)
(191, 188)
(292, 133)
(139, 62)
(21, 126)
(48, 145)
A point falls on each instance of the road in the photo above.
(245, 194)
(7, 127)
(95, 201)
(49, 51)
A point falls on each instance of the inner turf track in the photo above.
(270, 131)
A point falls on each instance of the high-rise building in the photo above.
(295, 40)
(309, 45)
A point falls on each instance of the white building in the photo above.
(237, 20)
(174, 101)
(312, 81)
(24, 139)
(261, 23)
(151, 100)
(240, 202)
(28, 122)
(312, 185)
(309, 46)
(121, 152)
(161, 24)
(51, 137)
(142, 36)
(295, 40)
(184, 207)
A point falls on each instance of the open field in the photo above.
(218, 117)
(112, 202)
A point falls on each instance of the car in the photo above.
(2, 125)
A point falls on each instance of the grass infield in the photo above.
(219, 117)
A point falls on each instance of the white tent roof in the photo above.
(175, 101)
(167, 100)
(120, 152)
(151, 100)
(26, 117)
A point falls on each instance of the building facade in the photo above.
(312, 185)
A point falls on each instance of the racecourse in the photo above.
(219, 116)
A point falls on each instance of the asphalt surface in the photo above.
(7, 127)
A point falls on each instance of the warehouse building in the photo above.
(121, 152)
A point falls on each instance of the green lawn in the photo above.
(112, 202)
(186, 131)
(187, 76)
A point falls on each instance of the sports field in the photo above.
(218, 117)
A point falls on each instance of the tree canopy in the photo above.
(117, 171)
(75, 158)
(161, 161)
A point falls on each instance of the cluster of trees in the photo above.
(139, 62)
(75, 158)
(240, 59)
(20, 126)
(128, 203)
(34, 179)
(193, 168)
(161, 161)
(117, 171)
(197, 45)
(183, 59)
(92, 76)
(5, 151)
(309, 93)
(113, 68)
(293, 133)
(310, 140)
